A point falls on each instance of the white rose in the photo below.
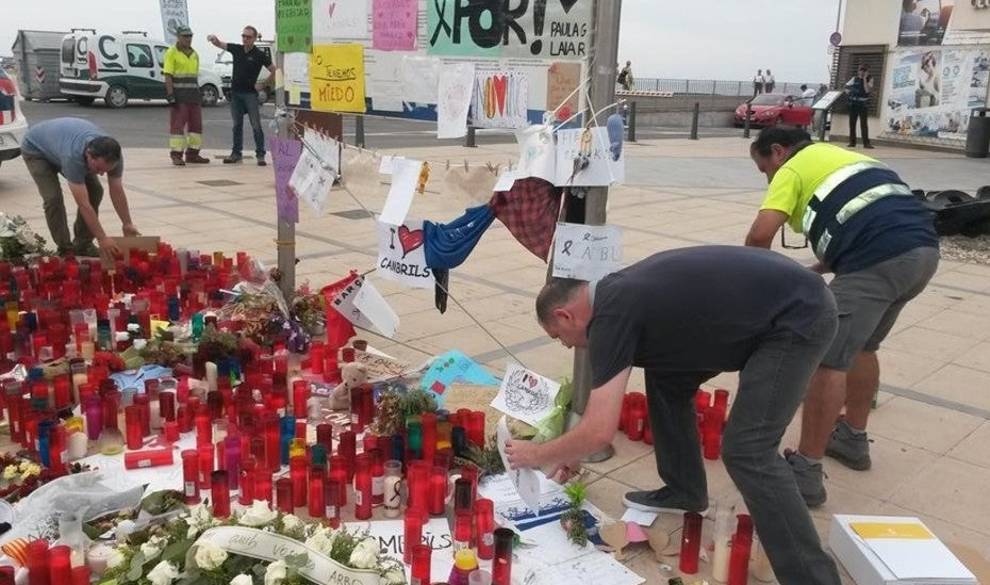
(322, 540)
(275, 573)
(259, 514)
(163, 574)
(200, 518)
(209, 556)
(365, 554)
(114, 558)
(396, 576)
(153, 547)
(291, 522)
(241, 580)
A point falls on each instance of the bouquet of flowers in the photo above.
(19, 476)
(178, 553)
(18, 241)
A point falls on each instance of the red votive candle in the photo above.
(438, 491)
(183, 415)
(37, 563)
(205, 465)
(221, 494)
(475, 428)
(428, 422)
(171, 431)
(484, 526)
(362, 487)
(462, 530)
(722, 399)
(142, 401)
(297, 472)
(742, 544)
(636, 422)
(502, 564)
(59, 564)
(283, 496)
(412, 532)
(132, 422)
(317, 495)
(339, 476)
(80, 576)
(421, 561)
(190, 476)
(204, 430)
(148, 458)
(300, 393)
(712, 432)
(324, 436)
(347, 448)
(316, 358)
(166, 405)
(690, 543)
(263, 484)
(245, 483)
(331, 501)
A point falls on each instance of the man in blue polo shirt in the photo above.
(79, 151)
(867, 228)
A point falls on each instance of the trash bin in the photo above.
(978, 135)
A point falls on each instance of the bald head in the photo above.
(564, 310)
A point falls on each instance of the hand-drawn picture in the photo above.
(500, 100)
(526, 395)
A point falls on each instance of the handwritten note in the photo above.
(294, 25)
(336, 76)
(316, 171)
(285, 156)
(525, 395)
(562, 81)
(405, 178)
(296, 75)
(454, 99)
(394, 25)
(586, 252)
(336, 20)
(500, 99)
(402, 254)
(362, 304)
(594, 145)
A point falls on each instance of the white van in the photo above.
(120, 67)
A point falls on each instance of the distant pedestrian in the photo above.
(244, 86)
(769, 83)
(181, 70)
(758, 83)
(626, 77)
(858, 91)
(807, 95)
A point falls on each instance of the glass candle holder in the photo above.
(438, 491)
(392, 488)
(246, 482)
(332, 489)
(484, 527)
(284, 500)
(60, 564)
(263, 484)
(297, 472)
(742, 544)
(362, 487)
(205, 465)
(221, 493)
(502, 564)
(412, 532)
(421, 564)
(190, 476)
(690, 543)
(462, 529)
(317, 494)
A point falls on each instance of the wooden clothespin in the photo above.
(448, 165)
(465, 166)
(424, 177)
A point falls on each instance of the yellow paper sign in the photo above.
(336, 76)
(912, 531)
(295, 95)
(156, 325)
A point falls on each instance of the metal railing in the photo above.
(711, 87)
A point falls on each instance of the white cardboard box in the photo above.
(894, 561)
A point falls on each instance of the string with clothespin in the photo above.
(374, 217)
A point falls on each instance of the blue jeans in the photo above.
(246, 103)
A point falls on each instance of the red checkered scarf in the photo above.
(530, 210)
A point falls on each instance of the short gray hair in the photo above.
(556, 293)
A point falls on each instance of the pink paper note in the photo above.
(394, 24)
(285, 155)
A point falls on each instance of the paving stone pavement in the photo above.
(931, 430)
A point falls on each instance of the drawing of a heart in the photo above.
(500, 84)
(409, 239)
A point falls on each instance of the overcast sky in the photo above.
(696, 39)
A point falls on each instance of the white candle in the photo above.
(97, 558)
(78, 445)
(211, 376)
(759, 564)
(393, 496)
(723, 543)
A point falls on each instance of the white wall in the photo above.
(871, 22)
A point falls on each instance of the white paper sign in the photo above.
(537, 153)
(405, 178)
(384, 77)
(454, 99)
(526, 481)
(526, 395)
(420, 79)
(387, 166)
(336, 20)
(296, 73)
(376, 309)
(316, 170)
(402, 255)
(391, 535)
(586, 252)
(601, 171)
(175, 13)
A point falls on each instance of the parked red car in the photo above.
(771, 109)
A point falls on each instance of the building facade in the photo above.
(931, 65)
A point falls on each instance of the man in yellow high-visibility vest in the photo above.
(181, 70)
(865, 226)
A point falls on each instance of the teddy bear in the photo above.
(353, 375)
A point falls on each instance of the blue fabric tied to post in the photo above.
(448, 245)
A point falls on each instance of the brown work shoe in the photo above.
(192, 156)
(177, 159)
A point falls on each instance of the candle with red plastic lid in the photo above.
(332, 503)
(438, 491)
(690, 543)
(502, 564)
(283, 496)
(148, 458)
(132, 422)
(412, 525)
(205, 465)
(317, 494)
(462, 529)
(60, 564)
(300, 394)
(742, 544)
(246, 481)
(421, 563)
(190, 476)
(362, 487)
(484, 527)
(221, 494)
(297, 472)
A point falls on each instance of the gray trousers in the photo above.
(45, 175)
(772, 385)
